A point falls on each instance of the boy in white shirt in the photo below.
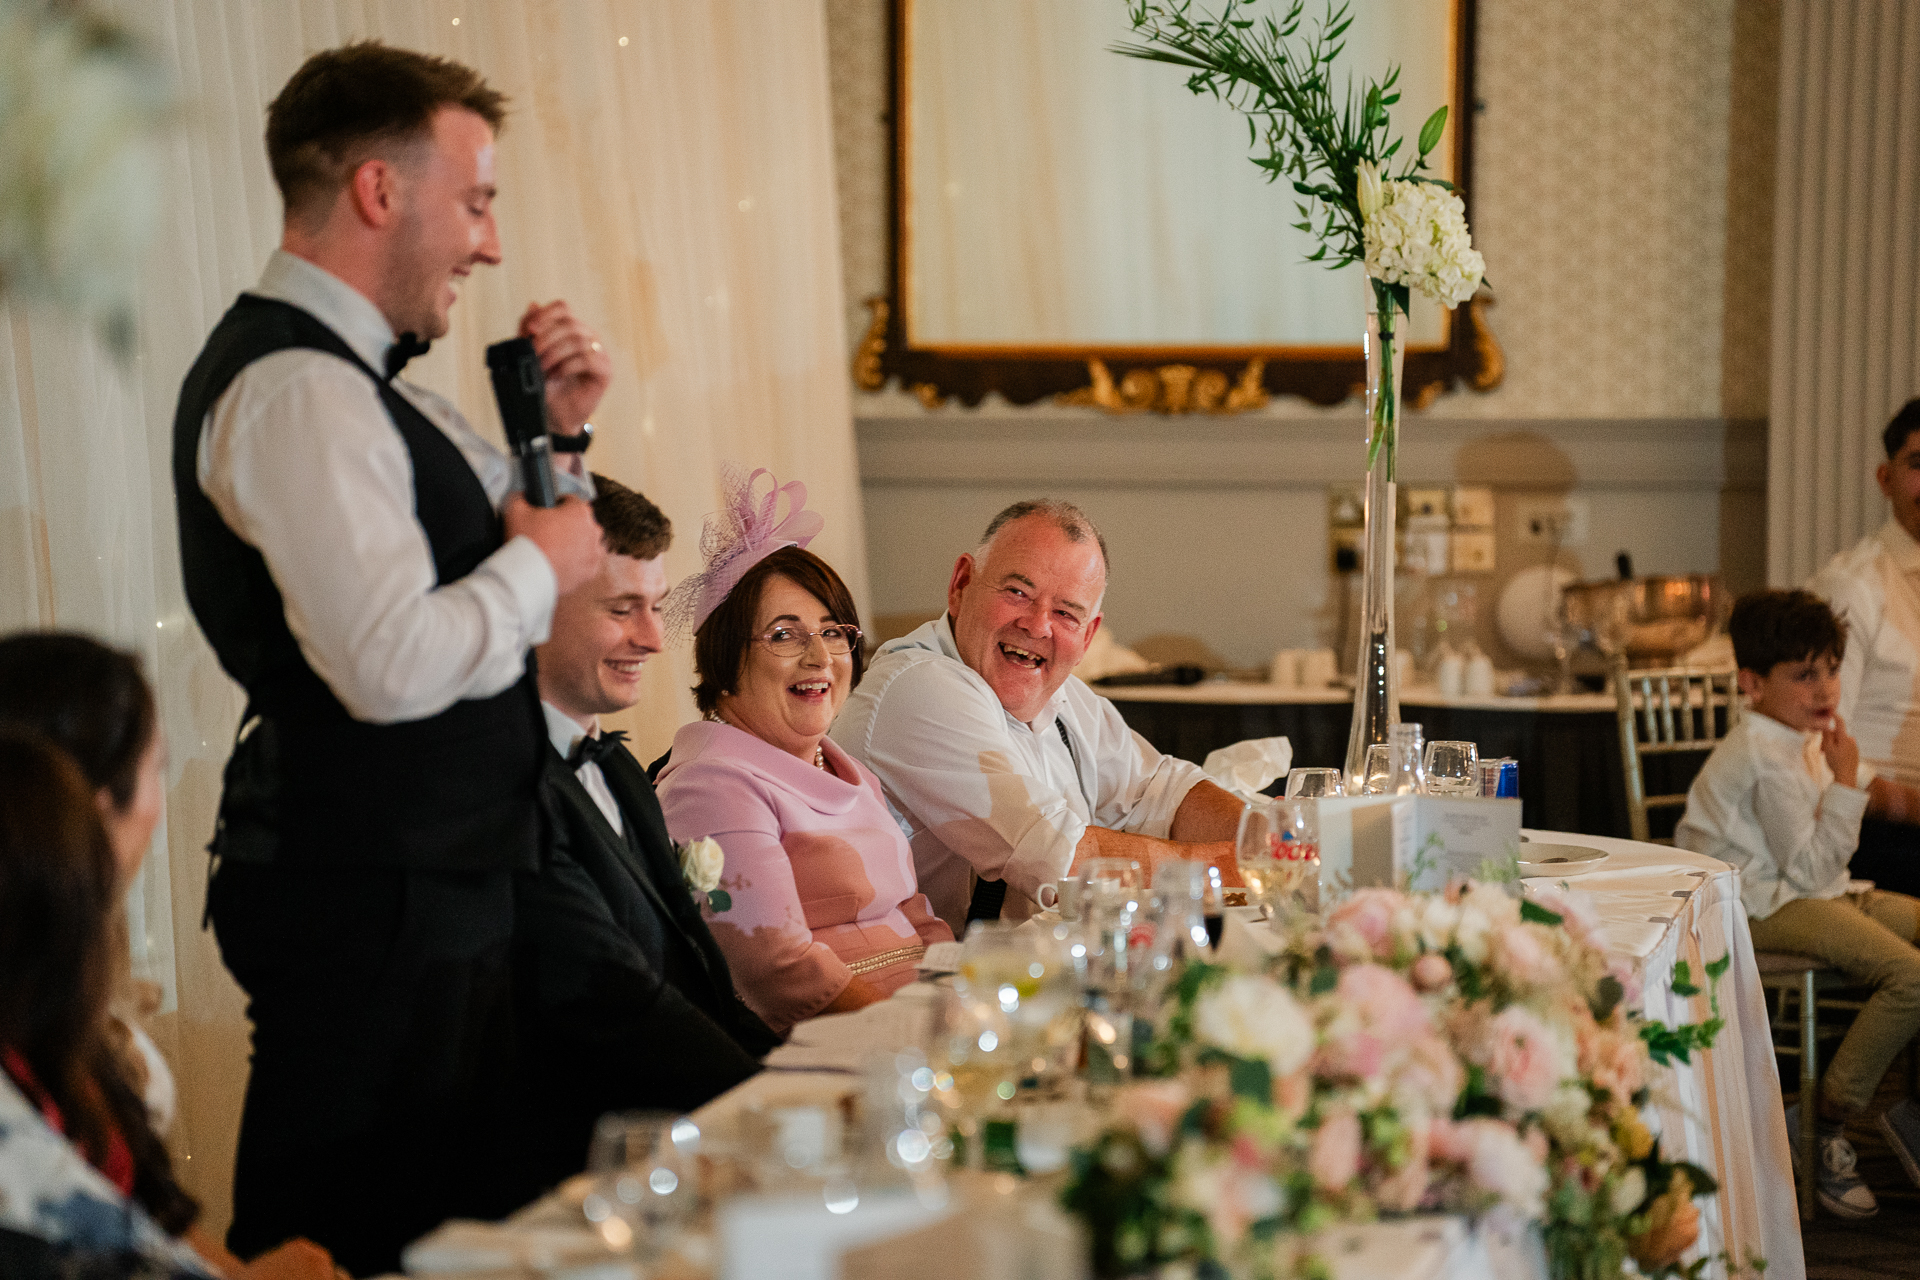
(1781, 799)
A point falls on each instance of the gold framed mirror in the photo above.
(1071, 224)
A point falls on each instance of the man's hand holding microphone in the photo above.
(552, 375)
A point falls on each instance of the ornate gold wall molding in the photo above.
(1170, 388)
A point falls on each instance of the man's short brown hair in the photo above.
(1771, 627)
(631, 525)
(343, 105)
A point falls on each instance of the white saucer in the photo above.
(1558, 860)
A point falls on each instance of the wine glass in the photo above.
(1026, 973)
(1296, 844)
(1255, 851)
(1452, 768)
(1314, 783)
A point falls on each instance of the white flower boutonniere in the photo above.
(701, 862)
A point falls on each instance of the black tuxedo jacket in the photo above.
(626, 1002)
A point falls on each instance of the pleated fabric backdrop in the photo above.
(1846, 272)
(666, 167)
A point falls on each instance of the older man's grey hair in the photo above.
(1066, 517)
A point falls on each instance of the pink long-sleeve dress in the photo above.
(820, 876)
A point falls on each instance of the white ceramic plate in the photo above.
(1539, 859)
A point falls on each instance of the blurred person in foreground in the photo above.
(1008, 771)
(628, 1003)
(356, 555)
(1875, 588)
(817, 909)
(1780, 799)
(87, 1190)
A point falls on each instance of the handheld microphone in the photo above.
(520, 389)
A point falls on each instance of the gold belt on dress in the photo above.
(885, 958)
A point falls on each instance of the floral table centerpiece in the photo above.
(82, 109)
(1409, 229)
(1459, 1052)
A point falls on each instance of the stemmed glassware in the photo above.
(1278, 851)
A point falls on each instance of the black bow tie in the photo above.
(593, 750)
(404, 348)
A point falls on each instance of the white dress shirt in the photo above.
(1766, 802)
(978, 791)
(565, 733)
(1875, 588)
(302, 461)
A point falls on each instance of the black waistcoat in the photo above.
(308, 784)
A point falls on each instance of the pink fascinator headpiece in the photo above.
(745, 531)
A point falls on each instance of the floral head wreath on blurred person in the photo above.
(746, 530)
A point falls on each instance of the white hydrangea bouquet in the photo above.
(82, 106)
(1461, 1052)
(702, 863)
(1407, 227)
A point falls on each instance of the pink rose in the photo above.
(1292, 1093)
(1153, 1109)
(1496, 1160)
(1378, 1012)
(1613, 1062)
(1524, 1058)
(1334, 1159)
(1402, 1190)
(1629, 978)
(1576, 912)
(1432, 972)
(1370, 913)
(1429, 1077)
(1523, 953)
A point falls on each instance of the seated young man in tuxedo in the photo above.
(626, 1001)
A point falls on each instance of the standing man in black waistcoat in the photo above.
(352, 550)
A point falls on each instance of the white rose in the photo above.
(1254, 1017)
(1565, 1115)
(701, 862)
(1502, 1165)
(1629, 1191)
(1438, 919)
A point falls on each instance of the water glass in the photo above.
(1314, 783)
(1452, 768)
(645, 1178)
(1379, 765)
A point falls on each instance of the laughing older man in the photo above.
(1007, 771)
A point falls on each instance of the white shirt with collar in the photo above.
(1766, 802)
(978, 791)
(302, 461)
(1875, 588)
(565, 733)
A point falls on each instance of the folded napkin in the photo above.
(1106, 656)
(1245, 768)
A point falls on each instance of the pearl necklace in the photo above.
(820, 758)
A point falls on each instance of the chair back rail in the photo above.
(1665, 711)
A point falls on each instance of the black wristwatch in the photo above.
(571, 444)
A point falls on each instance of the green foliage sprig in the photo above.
(1281, 79)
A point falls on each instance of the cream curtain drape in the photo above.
(667, 168)
(1846, 271)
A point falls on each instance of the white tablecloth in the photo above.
(1723, 1112)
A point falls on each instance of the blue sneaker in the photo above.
(1901, 1124)
(1839, 1189)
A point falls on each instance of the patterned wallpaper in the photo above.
(1623, 178)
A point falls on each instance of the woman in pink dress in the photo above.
(819, 909)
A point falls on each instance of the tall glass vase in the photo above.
(1376, 692)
